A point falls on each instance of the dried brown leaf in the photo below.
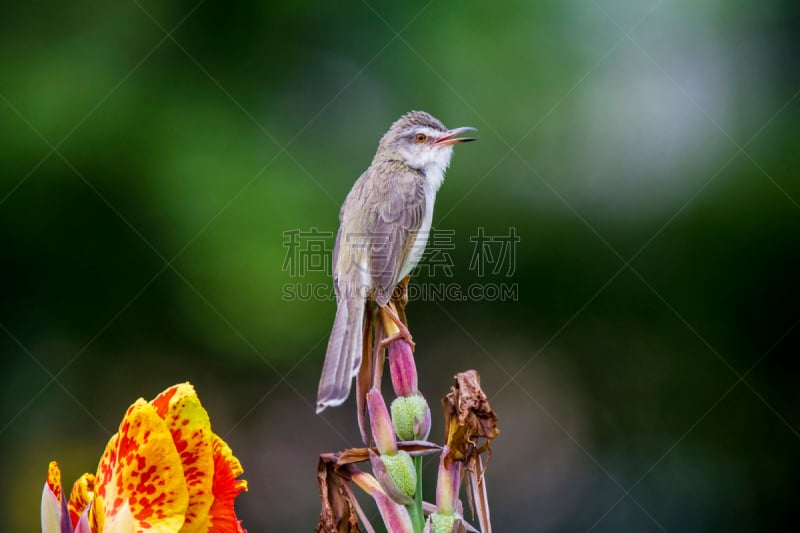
(364, 378)
(478, 496)
(338, 514)
(470, 426)
(413, 447)
(459, 527)
(468, 417)
(352, 456)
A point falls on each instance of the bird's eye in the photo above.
(420, 137)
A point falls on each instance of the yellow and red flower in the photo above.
(164, 471)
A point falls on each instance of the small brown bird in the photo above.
(383, 229)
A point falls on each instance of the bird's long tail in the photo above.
(343, 357)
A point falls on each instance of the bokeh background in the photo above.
(154, 154)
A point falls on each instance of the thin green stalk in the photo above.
(415, 509)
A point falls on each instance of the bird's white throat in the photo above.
(437, 166)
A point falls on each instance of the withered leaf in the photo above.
(459, 527)
(338, 514)
(468, 417)
(478, 497)
(365, 374)
(413, 447)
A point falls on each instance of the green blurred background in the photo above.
(653, 183)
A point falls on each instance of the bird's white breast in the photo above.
(434, 176)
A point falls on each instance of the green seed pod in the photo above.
(411, 417)
(401, 469)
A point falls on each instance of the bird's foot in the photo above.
(402, 334)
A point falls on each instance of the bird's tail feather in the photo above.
(343, 357)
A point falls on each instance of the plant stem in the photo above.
(415, 509)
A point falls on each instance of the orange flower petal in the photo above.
(226, 487)
(124, 522)
(190, 427)
(80, 497)
(53, 508)
(140, 477)
(84, 524)
(54, 480)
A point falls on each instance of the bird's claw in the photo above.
(402, 334)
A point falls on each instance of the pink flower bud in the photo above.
(402, 368)
(447, 484)
(422, 425)
(381, 423)
(394, 515)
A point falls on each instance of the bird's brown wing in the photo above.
(401, 208)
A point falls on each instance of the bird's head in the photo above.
(421, 141)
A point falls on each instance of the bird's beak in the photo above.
(449, 138)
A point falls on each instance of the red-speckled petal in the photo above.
(54, 508)
(226, 487)
(80, 497)
(124, 522)
(54, 480)
(190, 427)
(83, 525)
(140, 477)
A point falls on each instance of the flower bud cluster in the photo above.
(393, 468)
(411, 415)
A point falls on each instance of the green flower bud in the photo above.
(411, 417)
(401, 470)
(443, 523)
